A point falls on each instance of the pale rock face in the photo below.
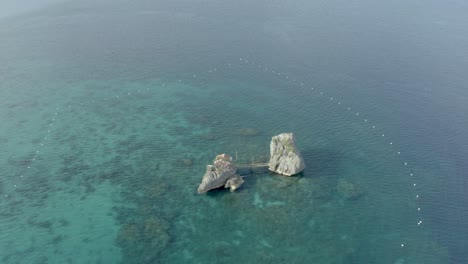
(285, 158)
(217, 175)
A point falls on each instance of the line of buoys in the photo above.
(366, 121)
(36, 150)
(265, 69)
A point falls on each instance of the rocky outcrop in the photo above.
(218, 174)
(234, 182)
(285, 158)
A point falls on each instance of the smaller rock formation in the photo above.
(234, 182)
(285, 158)
(219, 173)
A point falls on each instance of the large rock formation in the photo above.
(285, 158)
(219, 173)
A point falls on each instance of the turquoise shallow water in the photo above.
(110, 115)
(116, 177)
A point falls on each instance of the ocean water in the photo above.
(110, 112)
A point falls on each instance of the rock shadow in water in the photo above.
(322, 163)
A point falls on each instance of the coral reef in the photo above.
(348, 190)
(146, 240)
(156, 190)
(128, 235)
(156, 229)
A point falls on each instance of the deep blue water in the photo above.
(111, 110)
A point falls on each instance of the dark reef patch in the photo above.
(58, 239)
(43, 224)
(143, 241)
(64, 222)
